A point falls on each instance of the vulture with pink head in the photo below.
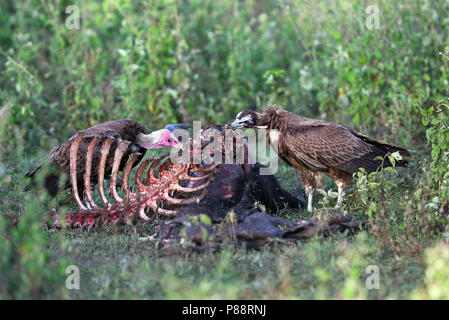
(105, 137)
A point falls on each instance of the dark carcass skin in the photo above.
(241, 187)
(253, 229)
(231, 203)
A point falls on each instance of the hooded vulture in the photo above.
(314, 147)
(111, 132)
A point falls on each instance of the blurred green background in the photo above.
(170, 61)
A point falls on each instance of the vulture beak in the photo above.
(163, 138)
(177, 126)
(236, 124)
(174, 126)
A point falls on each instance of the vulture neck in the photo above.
(268, 119)
(149, 141)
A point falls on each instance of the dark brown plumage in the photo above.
(314, 147)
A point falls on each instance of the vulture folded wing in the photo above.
(107, 133)
(321, 146)
(382, 144)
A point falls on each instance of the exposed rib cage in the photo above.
(169, 184)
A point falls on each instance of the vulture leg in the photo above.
(341, 179)
(310, 191)
(312, 181)
(341, 194)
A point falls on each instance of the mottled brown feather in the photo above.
(321, 145)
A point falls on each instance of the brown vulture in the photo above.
(314, 147)
(116, 131)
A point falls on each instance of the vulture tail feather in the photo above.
(50, 180)
(382, 145)
(368, 162)
(32, 173)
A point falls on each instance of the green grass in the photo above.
(116, 263)
(171, 61)
(121, 266)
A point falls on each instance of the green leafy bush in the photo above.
(27, 268)
(437, 120)
(166, 61)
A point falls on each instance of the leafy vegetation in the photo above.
(170, 61)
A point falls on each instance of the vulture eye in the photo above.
(170, 140)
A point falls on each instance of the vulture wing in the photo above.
(382, 144)
(322, 145)
(125, 129)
